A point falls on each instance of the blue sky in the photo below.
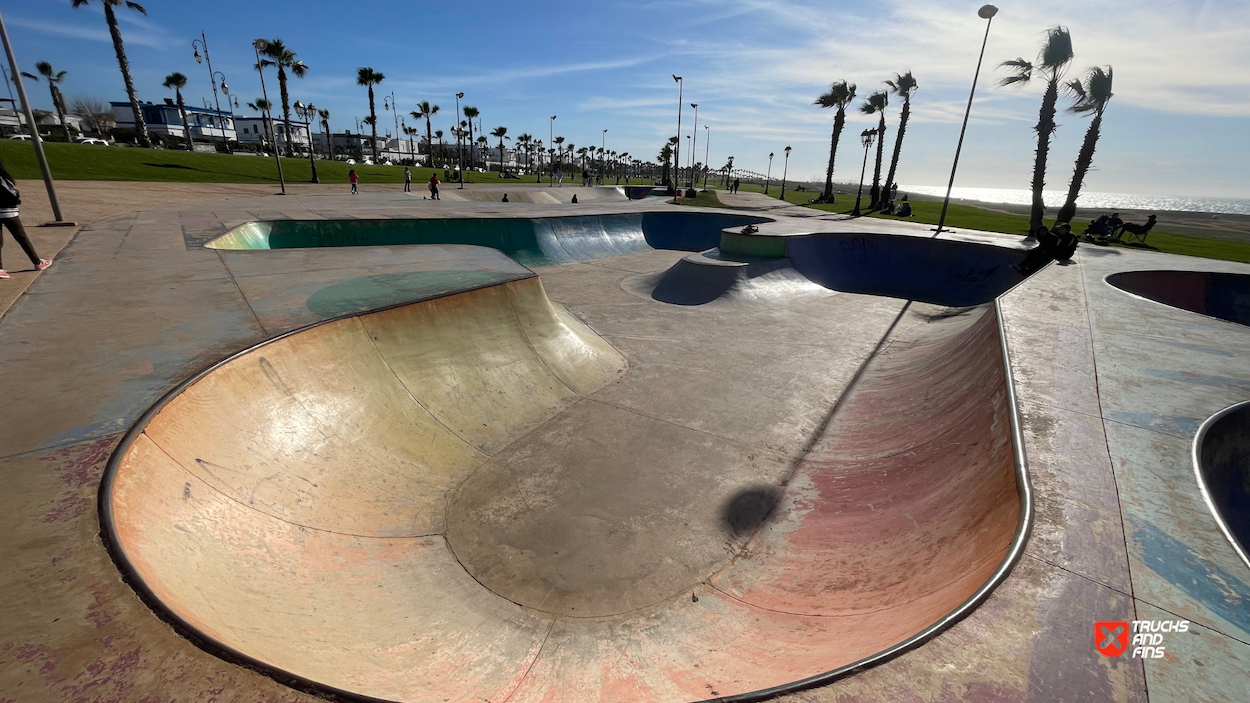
(1179, 124)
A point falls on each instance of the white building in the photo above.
(251, 130)
(205, 124)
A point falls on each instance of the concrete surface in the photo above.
(1111, 389)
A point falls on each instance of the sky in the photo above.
(1179, 123)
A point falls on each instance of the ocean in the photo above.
(1095, 201)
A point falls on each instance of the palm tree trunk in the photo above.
(140, 126)
(1045, 128)
(286, 110)
(839, 121)
(186, 129)
(1083, 161)
(58, 103)
(898, 148)
(325, 124)
(373, 115)
(429, 141)
(874, 195)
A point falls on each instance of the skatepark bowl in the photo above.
(439, 500)
(1222, 462)
(1222, 295)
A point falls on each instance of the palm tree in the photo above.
(483, 145)
(470, 113)
(368, 77)
(58, 100)
(582, 153)
(111, 17)
(500, 133)
(263, 106)
(840, 95)
(1052, 62)
(438, 133)
(1091, 95)
(284, 59)
(425, 111)
(875, 105)
(523, 142)
(666, 155)
(903, 86)
(538, 172)
(324, 114)
(558, 143)
(176, 81)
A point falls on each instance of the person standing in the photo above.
(351, 176)
(737, 182)
(407, 180)
(10, 198)
(434, 187)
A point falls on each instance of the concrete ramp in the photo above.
(1222, 295)
(400, 506)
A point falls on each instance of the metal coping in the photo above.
(1196, 453)
(112, 543)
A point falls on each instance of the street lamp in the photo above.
(695, 146)
(551, 142)
(868, 136)
(769, 177)
(260, 45)
(784, 172)
(459, 151)
(677, 156)
(394, 113)
(196, 45)
(308, 114)
(707, 151)
(34, 131)
(986, 13)
(603, 149)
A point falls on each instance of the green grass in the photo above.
(80, 162)
(702, 199)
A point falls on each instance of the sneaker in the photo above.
(43, 264)
(4, 274)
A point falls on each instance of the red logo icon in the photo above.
(1111, 637)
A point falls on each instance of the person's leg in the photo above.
(19, 233)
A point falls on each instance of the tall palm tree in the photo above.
(523, 142)
(903, 85)
(176, 82)
(263, 106)
(1052, 63)
(839, 95)
(470, 113)
(324, 114)
(285, 59)
(875, 105)
(538, 172)
(439, 135)
(483, 144)
(582, 153)
(58, 100)
(558, 143)
(1090, 96)
(120, 48)
(500, 133)
(425, 111)
(666, 155)
(368, 77)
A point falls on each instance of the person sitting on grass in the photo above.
(904, 208)
(10, 198)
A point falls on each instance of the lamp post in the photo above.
(395, 114)
(768, 178)
(196, 45)
(784, 172)
(260, 45)
(986, 13)
(694, 147)
(707, 151)
(34, 130)
(459, 151)
(677, 156)
(308, 114)
(603, 148)
(551, 142)
(868, 136)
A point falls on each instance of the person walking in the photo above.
(10, 198)
(351, 176)
(737, 182)
(407, 180)
(434, 187)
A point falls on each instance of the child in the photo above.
(407, 180)
(434, 187)
(351, 176)
(9, 200)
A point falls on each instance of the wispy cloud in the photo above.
(75, 30)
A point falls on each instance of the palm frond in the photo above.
(137, 8)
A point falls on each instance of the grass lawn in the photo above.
(82, 162)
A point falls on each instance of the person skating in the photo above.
(10, 198)
(434, 187)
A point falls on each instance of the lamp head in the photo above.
(770, 156)
(225, 88)
(694, 105)
(260, 44)
(676, 78)
(459, 95)
(787, 151)
(198, 58)
(299, 105)
(987, 11)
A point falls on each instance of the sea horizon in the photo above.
(1091, 199)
